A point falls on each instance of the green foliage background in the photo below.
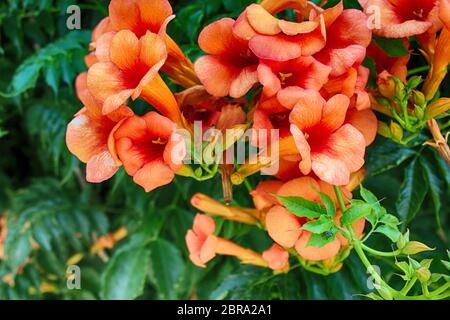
(49, 203)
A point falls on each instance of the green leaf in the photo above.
(320, 240)
(412, 192)
(301, 207)
(446, 264)
(52, 76)
(393, 47)
(371, 199)
(436, 184)
(385, 155)
(124, 277)
(166, 268)
(357, 211)
(17, 247)
(328, 203)
(392, 233)
(319, 226)
(390, 220)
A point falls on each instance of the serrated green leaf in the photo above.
(124, 277)
(321, 225)
(328, 203)
(390, 220)
(436, 184)
(301, 207)
(357, 211)
(390, 232)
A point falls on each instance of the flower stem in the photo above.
(381, 253)
(340, 198)
(418, 70)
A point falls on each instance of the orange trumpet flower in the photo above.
(203, 245)
(229, 68)
(403, 18)
(347, 39)
(88, 134)
(303, 72)
(352, 84)
(277, 39)
(141, 16)
(151, 154)
(328, 147)
(268, 115)
(130, 69)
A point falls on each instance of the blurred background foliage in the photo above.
(55, 218)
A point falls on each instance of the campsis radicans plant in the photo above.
(289, 79)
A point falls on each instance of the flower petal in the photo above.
(217, 38)
(153, 175)
(216, 75)
(277, 48)
(282, 226)
(334, 112)
(101, 167)
(342, 155)
(308, 111)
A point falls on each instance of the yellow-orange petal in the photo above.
(262, 21)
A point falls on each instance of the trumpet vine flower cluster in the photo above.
(302, 77)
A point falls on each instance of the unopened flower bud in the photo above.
(396, 131)
(386, 84)
(418, 111)
(414, 82)
(384, 130)
(400, 89)
(419, 98)
(423, 274)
